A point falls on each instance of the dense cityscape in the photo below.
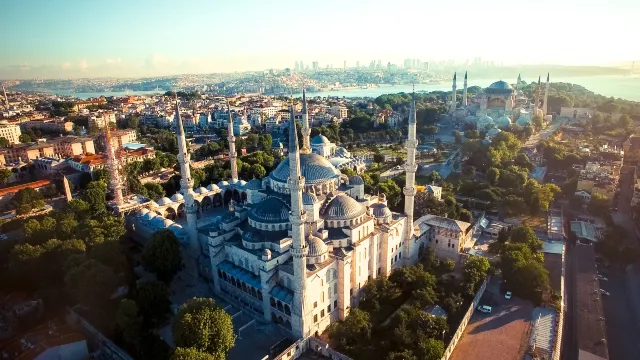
(301, 181)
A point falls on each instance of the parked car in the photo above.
(603, 292)
(507, 295)
(485, 309)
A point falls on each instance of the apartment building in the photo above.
(48, 125)
(339, 111)
(10, 132)
(102, 118)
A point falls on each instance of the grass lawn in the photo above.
(536, 222)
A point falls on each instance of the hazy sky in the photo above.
(87, 38)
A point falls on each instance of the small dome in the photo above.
(470, 119)
(213, 187)
(503, 122)
(380, 210)
(201, 190)
(309, 199)
(141, 212)
(148, 216)
(343, 207)
(266, 253)
(157, 222)
(168, 223)
(320, 140)
(356, 180)
(242, 182)
(254, 184)
(270, 210)
(175, 226)
(164, 201)
(233, 181)
(317, 247)
(153, 204)
(315, 169)
(177, 197)
(493, 132)
(223, 183)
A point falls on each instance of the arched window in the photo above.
(287, 310)
(280, 306)
(272, 302)
(260, 295)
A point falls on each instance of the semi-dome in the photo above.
(309, 198)
(314, 168)
(343, 207)
(164, 201)
(254, 184)
(213, 187)
(356, 180)
(380, 210)
(177, 197)
(316, 246)
(252, 236)
(500, 85)
(201, 190)
(320, 140)
(270, 210)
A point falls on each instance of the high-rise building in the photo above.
(315, 65)
(344, 66)
(357, 64)
(297, 68)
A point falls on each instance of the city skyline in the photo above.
(74, 39)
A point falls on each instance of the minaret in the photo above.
(4, 94)
(464, 92)
(545, 109)
(232, 146)
(537, 99)
(518, 82)
(115, 185)
(409, 189)
(299, 248)
(306, 129)
(453, 95)
(186, 188)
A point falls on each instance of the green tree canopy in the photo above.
(91, 283)
(190, 354)
(202, 325)
(162, 256)
(129, 321)
(153, 300)
(353, 332)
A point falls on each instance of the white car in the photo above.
(507, 295)
(485, 309)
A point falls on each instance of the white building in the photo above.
(339, 111)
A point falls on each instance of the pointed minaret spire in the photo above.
(186, 188)
(299, 248)
(232, 146)
(115, 183)
(306, 129)
(409, 189)
(545, 108)
(453, 95)
(518, 82)
(464, 92)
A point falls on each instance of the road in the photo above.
(544, 134)
(570, 333)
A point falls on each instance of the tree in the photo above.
(475, 269)
(525, 235)
(190, 354)
(96, 199)
(4, 142)
(434, 177)
(465, 215)
(353, 332)
(129, 321)
(153, 299)
(91, 283)
(162, 256)
(201, 325)
(155, 191)
(493, 174)
(5, 175)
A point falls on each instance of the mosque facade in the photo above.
(296, 247)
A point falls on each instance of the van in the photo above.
(485, 309)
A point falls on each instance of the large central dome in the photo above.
(315, 169)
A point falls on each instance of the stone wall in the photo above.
(313, 344)
(456, 337)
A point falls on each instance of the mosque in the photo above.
(499, 107)
(296, 247)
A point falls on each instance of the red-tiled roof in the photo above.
(33, 185)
